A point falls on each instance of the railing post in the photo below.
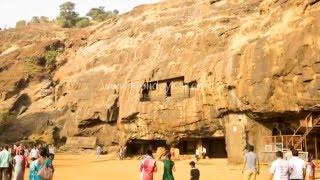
(316, 147)
(282, 143)
(305, 142)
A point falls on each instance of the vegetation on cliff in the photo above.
(69, 18)
(46, 61)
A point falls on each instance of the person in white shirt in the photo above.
(197, 154)
(204, 152)
(5, 161)
(34, 153)
(279, 168)
(297, 167)
(288, 154)
(52, 149)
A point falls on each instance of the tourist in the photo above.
(279, 168)
(51, 158)
(13, 152)
(168, 167)
(52, 151)
(34, 153)
(122, 152)
(296, 166)
(194, 172)
(172, 153)
(99, 151)
(19, 162)
(26, 152)
(204, 152)
(15, 147)
(197, 154)
(310, 169)
(40, 165)
(288, 154)
(5, 161)
(251, 165)
(19, 148)
(148, 166)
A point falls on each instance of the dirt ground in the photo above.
(88, 167)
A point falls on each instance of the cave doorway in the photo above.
(215, 146)
(187, 146)
(140, 146)
(168, 89)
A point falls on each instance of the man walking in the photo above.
(280, 168)
(5, 160)
(297, 167)
(251, 165)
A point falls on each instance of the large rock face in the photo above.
(255, 57)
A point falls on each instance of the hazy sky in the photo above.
(13, 10)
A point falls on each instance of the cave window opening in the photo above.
(145, 92)
(168, 89)
(152, 86)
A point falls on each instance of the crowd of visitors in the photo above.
(148, 167)
(15, 159)
(290, 167)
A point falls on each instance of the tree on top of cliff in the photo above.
(41, 19)
(21, 23)
(67, 17)
(99, 14)
(35, 20)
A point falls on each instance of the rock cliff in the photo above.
(256, 57)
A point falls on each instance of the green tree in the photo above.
(35, 20)
(99, 14)
(44, 19)
(83, 22)
(115, 11)
(21, 23)
(67, 17)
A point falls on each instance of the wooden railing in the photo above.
(309, 123)
(281, 143)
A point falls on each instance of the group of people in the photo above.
(203, 152)
(15, 159)
(148, 167)
(285, 167)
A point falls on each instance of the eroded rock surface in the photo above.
(256, 57)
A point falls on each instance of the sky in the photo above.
(12, 11)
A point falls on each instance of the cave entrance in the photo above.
(187, 146)
(140, 146)
(215, 146)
